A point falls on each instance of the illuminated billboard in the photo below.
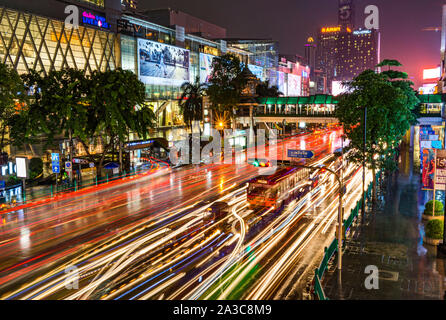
(294, 85)
(161, 64)
(433, 73)
(257, 71)
(331, 29)
(21, 169)
(205, 67)
(281, 82)
(338, 88)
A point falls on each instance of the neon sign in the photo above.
(331, 29)
(94, 20)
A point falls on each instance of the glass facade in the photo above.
(30, 42)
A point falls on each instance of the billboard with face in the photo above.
(161, 64)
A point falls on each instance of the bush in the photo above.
(13, 180)
(435, 229)
(438, 208)
(35, 167)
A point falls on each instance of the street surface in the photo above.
(148, 238)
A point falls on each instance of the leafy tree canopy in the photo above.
(390, 106)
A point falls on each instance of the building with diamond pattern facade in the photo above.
(33, 36)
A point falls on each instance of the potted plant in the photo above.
(434, 232)
(428, 213)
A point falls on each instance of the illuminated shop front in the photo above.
(164, 59)
(31, 42)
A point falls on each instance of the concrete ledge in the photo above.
(425, 217)
(433, 242)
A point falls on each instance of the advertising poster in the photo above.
(440, 170)
(205, 67)
(428, 169)
(162, 64)
(294, 85)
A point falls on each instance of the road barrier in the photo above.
(333, 248)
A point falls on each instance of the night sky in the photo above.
(292, 21)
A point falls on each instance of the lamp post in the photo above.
(364, 161)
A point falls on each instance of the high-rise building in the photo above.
(346, 14)
(310, 53)
(343, 52)
(327, 53)
(357, 51)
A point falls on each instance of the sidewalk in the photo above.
(390, 237)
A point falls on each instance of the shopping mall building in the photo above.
(34, 36)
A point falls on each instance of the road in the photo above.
(146, 236)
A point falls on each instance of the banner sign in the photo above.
(428, 169)
(440, 170)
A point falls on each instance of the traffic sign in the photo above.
(55, 157)
(80, 161)
(68, 166)
(55, 162)
(301, 154)
(56, 168)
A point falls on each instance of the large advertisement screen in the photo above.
(281, 82)
(294, 85)
(205, 67)
(161, 64)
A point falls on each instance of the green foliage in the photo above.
(434, 229)
(264, 89)
(389, 63)
(191, 101)
(226, 83)
(35, 167)
(390, 113)
(13, 180)
(439, 209)
(12, 93)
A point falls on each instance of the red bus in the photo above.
(285, 184)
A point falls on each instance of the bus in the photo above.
(285, 184)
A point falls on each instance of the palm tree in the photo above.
(265, 90)
(191, 102)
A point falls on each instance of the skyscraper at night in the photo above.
(343, 52)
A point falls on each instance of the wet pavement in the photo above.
(390, 237)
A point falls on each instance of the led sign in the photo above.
(94, 20)
(331, 29)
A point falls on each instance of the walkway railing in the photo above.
(333, 248)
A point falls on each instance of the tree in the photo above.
(191, 101)
(226, 85)
(264, 89)
(12, 97)
(64, 99)
(390, 114)
(117, 106)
